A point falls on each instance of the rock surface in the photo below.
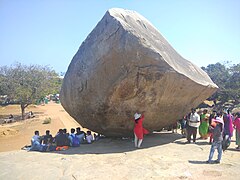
(125, 66)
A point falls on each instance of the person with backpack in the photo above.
(74, 140)
(217, 139)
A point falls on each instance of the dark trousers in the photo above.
(191, 131)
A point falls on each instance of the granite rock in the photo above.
(125, 66)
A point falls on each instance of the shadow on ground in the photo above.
(198, 142)
(117, 145)
(197, 162)
(232, 149)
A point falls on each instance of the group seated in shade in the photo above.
(62, 140)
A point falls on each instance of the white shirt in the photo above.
(89, 138)
(35, 138)
(194, 120)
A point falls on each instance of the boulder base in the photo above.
(126, 66)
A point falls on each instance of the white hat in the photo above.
(218, 119)
(137, 116)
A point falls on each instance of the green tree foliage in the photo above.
(26, 84)
(227, 77)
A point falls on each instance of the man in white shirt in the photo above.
(36, 142)
(193, 124)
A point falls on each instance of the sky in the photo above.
(50, 32)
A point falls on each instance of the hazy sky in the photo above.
(50, 32)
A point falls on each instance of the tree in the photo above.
(227, 77)
(26, 84)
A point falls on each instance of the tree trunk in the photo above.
(23, 106)
(23, 111)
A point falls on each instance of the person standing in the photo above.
(217, 140)
(193, 124)
(203, 128)
(213, 124)
(228, 124)
(228, 130)
(139, 131)
(183, 122)
(236, 124)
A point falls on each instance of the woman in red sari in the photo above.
(139, 131)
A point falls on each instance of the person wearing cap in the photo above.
(217, 139)
(139, 131)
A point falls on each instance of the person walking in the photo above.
(139, 131)
(217, 140)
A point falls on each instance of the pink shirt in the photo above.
(237, 124)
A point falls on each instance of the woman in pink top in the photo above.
(236, 124)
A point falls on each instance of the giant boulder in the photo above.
(125, 66)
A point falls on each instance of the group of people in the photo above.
(62, 141)
(218, 126)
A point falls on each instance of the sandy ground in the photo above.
(18, 134)
(163, 155)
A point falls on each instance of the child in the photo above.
(236, 124)
(183, 126)
(89, 137)
(217, 140)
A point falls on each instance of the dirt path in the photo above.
(56, 111)
(16, 135)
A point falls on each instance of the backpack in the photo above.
(75, 141)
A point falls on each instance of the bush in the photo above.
(47, 120)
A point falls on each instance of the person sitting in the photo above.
(31, 115)
(89, 137)
(62, 140)
(10, 119)
(74, 140)
(36, 142)
(80, 134)
(97, 136)
(10, 116)
(65, 132)
(67, 135)
(46, 139)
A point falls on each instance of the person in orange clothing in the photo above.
(139, 131)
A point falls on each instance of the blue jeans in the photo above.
(218, 146)
(36, 146)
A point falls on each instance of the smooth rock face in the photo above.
(125, 66)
